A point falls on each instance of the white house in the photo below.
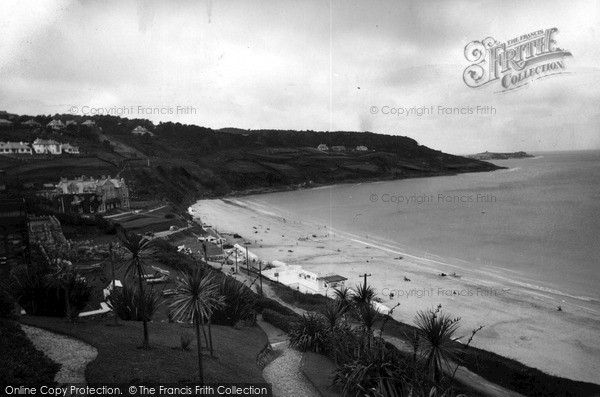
(42, 146)
(303, 280)
(67, 148)
(338, 148)
(14, 148)
(361, 148)
(323, 147)
(31, 124)
(6, 123)
(56, 125)
(139, 130)
(88, 123)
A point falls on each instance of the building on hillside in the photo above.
(46, 190)
(139, 130)
(31, 124)
(67, 148)
(43, 146)
(14, 148)
(14, 235)
(6, 123)
(89, 195)
(323, 147)
(361, 148)
(70, 122)
(56, 125)
(338, 148)
(89, 123)
(294, 276)
(46, 231)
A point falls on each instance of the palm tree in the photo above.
(436, 331)
(364, 294)
(342, 293)
(138, 247)
(332, 313)
(62, 278)
(195, 299)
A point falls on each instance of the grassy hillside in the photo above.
(181, 163)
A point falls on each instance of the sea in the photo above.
(534, 226)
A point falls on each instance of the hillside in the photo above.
(182, 163)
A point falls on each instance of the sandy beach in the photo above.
(517, 324)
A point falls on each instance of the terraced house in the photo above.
(43, 146)
(14, 148)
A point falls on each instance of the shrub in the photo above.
(266, 303)
(20, 362)
(239, 303)
(280, 321)
(185, 341)
(30, 287)
(125, 303)
(309, 333)
(297, 298)
(378, 371)
(7, 305)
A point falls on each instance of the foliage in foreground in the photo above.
(20, 362)
(238, 303)
(44, 291)
(309, 333)
(279, 320)
(125, 302)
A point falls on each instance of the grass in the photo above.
(318, 369)
(121, 361)
(20, 362)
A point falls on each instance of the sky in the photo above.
(305, 65)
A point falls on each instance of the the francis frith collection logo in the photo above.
(515, 63)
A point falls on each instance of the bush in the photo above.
(125, 303)
(185, 340)
(309, 333)
(7, 305)
(29, 286)
(269, 304)
(294, 297)
(377, 371)
(280, 321)
(239, 303)
(20, 362)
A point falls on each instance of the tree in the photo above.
(436, 331)
(195, 299)
(137, 247)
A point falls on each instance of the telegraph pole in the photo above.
(260, 276)
(365, 277)
(247, 264)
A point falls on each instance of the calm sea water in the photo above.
(535, 225)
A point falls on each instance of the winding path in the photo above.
(72, 354)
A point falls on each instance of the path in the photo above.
(72, 354)
(284, 373)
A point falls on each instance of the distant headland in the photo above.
(499, 156)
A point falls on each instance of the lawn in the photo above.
(120, 360)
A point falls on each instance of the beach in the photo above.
(518, 323)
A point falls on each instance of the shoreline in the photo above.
(517, 325)
(316, 185)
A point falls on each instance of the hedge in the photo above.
(278, 320)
